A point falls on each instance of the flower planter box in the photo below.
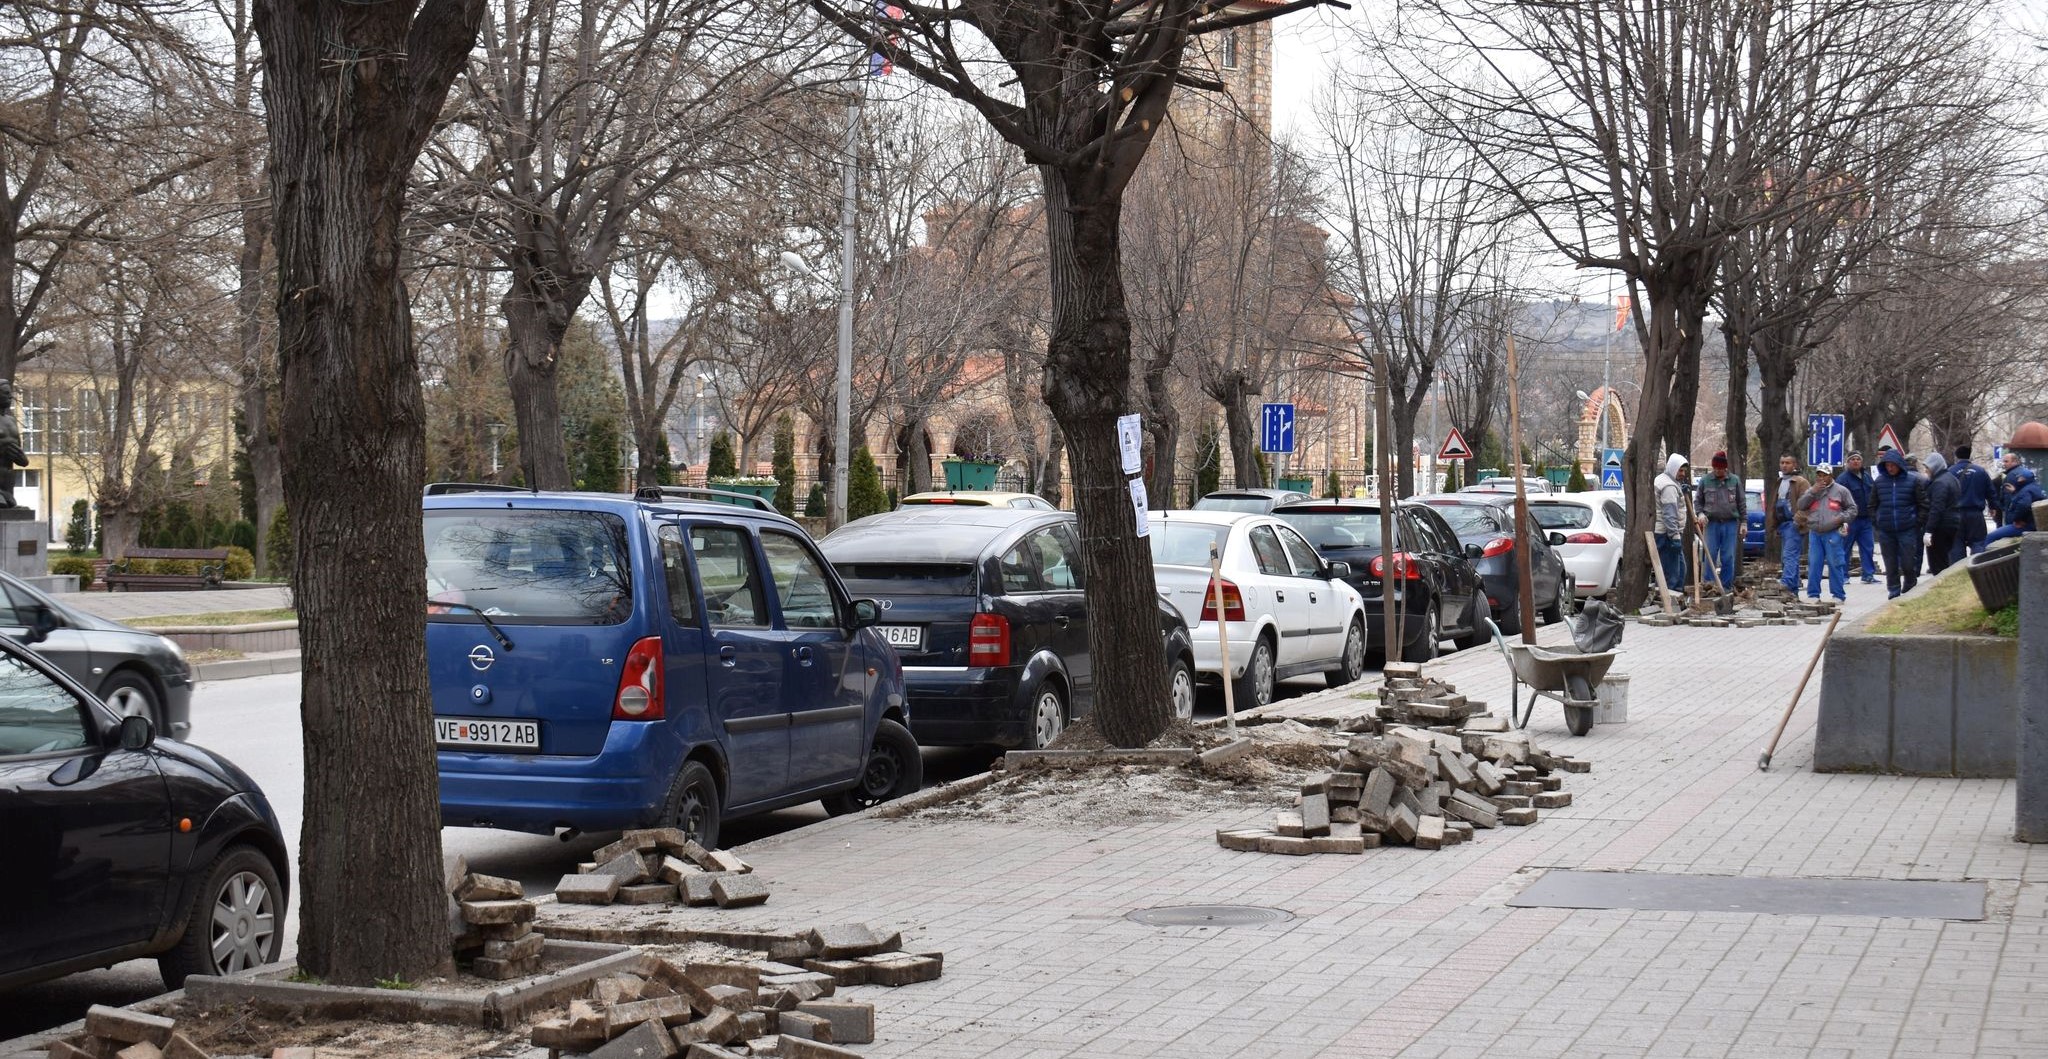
(977, 475)
(1996, 577)
(1299, 485)
(765, 492)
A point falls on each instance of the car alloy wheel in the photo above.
(1048, 718)
(244, 918)
(128, 694)
(1261, 673)
(1183, 687)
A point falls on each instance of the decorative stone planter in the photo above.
(976, 475)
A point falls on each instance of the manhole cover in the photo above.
(1208, 916)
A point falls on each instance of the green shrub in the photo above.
(242, 534)
(1577, 482)
(241, 564)
(1333, 486)
(864, 493)
(785, 465)
(723, 463)
(78, 532)
(74, 565)
(278, 543)
(814, 504)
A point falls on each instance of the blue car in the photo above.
(605, 662)
(1753, 528)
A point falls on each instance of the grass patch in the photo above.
(219, 617)
(396, 983)
(300, 977)
(1946, 607)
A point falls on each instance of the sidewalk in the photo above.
(1411, 953)
(122, 606)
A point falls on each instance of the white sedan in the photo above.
(1594, 525)
(1287, 613)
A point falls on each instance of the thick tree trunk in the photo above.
(1162, 427)
(1735, 418)
(1644, 458)
(351, 92)
(534, 326)
(647, 438)
(1243, 435)
(1777, 366)
(1403, 414)
(917, 456)
(1051, 475)
(1087, 386)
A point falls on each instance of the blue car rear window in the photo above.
(529, 567)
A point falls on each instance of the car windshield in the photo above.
(535, 567)
(1257, 505)
(907, 579)
(1561, 516)
(1349, 527)
(1185, 543)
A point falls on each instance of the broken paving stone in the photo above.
(128, 1027)
(1243, 840)
(809, 1027)
(454, 868)
(739, 891)
(628, 868)
(476, 887)
(848, 940)
(853, 1022)
(587, 889)
(648, 1040)
(821, 978)
(647, 894)
(718, 1026)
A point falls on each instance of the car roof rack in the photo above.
(454, 488)
(659, 493)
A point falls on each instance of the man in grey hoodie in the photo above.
(1672, 487)
(1944, 521)
(1825, 513)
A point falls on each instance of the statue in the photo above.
(11, 454)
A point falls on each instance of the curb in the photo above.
(37, 1044)
(235, 668)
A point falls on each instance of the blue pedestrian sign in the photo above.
(1825, 435)
(1610, 468)
(1276, 428)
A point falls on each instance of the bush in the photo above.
(722, 463)
(241, 564)
(78, 532)
(1333, 487)
(278, 544)
(785, 466)
(74, 565)
(1577, 482)
(242, 534)
(864, 493)
(814, 504)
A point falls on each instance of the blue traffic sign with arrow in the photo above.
(1825, 438)
(1276, 428)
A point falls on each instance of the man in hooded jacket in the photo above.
(1672, 487)
(1898, 512)
(1944, 494)
(2024, 490)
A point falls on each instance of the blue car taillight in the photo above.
(639, 697)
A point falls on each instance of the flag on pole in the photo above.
(1621, 312)
(879, 63)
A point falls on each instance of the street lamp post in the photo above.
(842, 427)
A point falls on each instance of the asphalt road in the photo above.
(254, 723)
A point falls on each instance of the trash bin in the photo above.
(1612, 696)
(1996, 576)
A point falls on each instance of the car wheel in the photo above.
(1475, 634)
(1425, 649)
(1351, 665)
(894, 768)
(693, 804)
(1558, 607)
(130, 695)
(1048, 715)
(1255, 687)
(1181, 682)
(235, 921)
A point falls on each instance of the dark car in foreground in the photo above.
(986, 609)
(135, 671)
(1485, 526)
(121, 845)
(1437, 594)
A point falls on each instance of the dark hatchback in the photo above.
(1437, 593)
(1485, 525)
(985, 607)
(122, 845)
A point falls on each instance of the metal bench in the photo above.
(213, 564)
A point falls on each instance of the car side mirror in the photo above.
(1473, 551)
(1338, 571)
(42, 623)
(1555, 538)
(136, 732)
(866, 612)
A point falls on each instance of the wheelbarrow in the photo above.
(1566, 676)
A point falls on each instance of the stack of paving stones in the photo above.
(1770, 604)
(729, 1010)
(662, 866)
(118, 1033)
(1429, 770)
(492, 923)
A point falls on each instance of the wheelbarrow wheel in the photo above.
(1579, 718)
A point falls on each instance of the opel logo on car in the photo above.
(480, 658)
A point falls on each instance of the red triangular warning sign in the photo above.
(1454, 447)
(1889, 439)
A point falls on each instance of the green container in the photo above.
(1558, 477)
(975, 475)
(765, 492)
(1299, 485)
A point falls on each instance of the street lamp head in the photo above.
(798, 265)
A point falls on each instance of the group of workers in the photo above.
(1911, 511)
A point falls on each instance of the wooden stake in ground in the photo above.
(1657, 571)
(1764, 763)
(1222, 637)
(1527, 586)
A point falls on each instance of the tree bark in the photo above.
(534, 328)
(1776, 433)
(1243, 435)
(1087, 386)
(916, 471)
(1735, 418)
(1643, 458)
(351, 92)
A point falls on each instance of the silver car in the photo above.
(132, 670)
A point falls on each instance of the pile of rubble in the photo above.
(662, 866)
(728, 1010)
(1767, 604)
(1430, 769)
(492, 924)
(118, 1033)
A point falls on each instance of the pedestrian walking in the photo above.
(1973, 491)
(1898, 513)
(1944, 514)
(1856, 479)
(1672, 487)
(1722, 511)
(1791, 534)
(1825, 512)
(2019, 507)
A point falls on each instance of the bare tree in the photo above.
(351, 92)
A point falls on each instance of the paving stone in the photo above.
(1290, 845)
(668, 1009)
(145, 1050)
(848, 940)
(1510, 801)
(1243, 839)
(454, 868)
(564, 1035)
(731, 997)
(1552, 799)
(1518, 817)
(756, 1023)
(1287, 823)
(628, 868)
(476, 887)
(739, 891)
(183, 1047)
(834, 973)
(67, 1050)
(525, 947)
(587, 889)
(703, 1050)
(674, 870)
(1315, 815)
(128, 1027)
(718, 1026)
(1379, 792)
(1344, 814)
(484, 913)
(788, 1047)
(853, 1022)
(504, 970)
(1488, 778)
(648, 1040)
(1429, 832)
(708, 973)
(697, 889)
(647, 894)
(720, 860)
(809, 1027)
(1404, 821)
(1470, 808)
(900, 969)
